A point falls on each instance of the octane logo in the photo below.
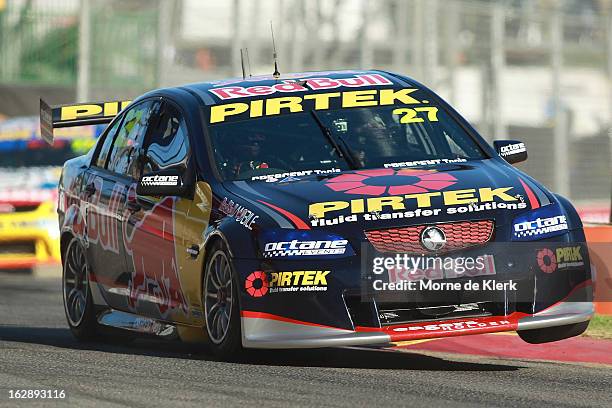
(256, 284)
(547, 261)
(389, 181)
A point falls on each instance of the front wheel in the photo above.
(78, 304)
(221, 306)
(548, 334)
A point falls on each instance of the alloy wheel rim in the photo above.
(75, 284)
(218, 301)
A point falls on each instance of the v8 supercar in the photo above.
(312, 210)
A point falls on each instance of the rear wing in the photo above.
(76, 115)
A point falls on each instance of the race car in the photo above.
(320, 209)
(29, 172)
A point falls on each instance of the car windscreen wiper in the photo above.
(343, 150)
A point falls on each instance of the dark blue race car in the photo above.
(311, 210)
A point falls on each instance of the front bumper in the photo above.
(262, 330)
(344, 315)
(27, 248)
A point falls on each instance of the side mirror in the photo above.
(167, 182)
(512, 151)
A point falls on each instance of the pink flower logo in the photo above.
(547, 261)
(256, 284)
(393, 182)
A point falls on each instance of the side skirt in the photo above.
(138, 324)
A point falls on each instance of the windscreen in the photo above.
(339, 139)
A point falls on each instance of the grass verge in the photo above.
(600, 327)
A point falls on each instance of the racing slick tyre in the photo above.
(538, 336)
(221, 305)
(78, 304)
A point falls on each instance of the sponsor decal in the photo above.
(289, 179)
(158, 180)
(70, 204)
(433, 162)
(389, 181)
(260, 283)
(562, 258)
(547, 260)
(91, 110)
(544, 222)
(155, 274)
(304, 85)
(296, 248)
(290, 244)
(256, 284)
(511, 149)
(298, 281)
(241, 214)
(295, 75)
(540, 227)
(327, 100)
(291, 175)
(102, 229)
(454, 326)
(420, 194)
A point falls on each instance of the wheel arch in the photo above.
(65, 239)
(216, 241)
(213, 237)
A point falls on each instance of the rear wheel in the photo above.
(78, 304)
(221, 306)
(546, 335)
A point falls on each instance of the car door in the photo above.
(107, 185)
(152, 237)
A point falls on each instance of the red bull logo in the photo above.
(151, 247)
(102, 226)
(150, 243)
(70, 204)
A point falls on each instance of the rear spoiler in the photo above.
(76, 115)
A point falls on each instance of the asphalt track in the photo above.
(38, 352)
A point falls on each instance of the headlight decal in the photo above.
(542, 223)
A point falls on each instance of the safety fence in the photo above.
(538, 71)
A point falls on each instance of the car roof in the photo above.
(202, 89)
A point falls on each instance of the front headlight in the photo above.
(545, 222)
(291, 244)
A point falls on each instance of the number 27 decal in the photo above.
(410, 114)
